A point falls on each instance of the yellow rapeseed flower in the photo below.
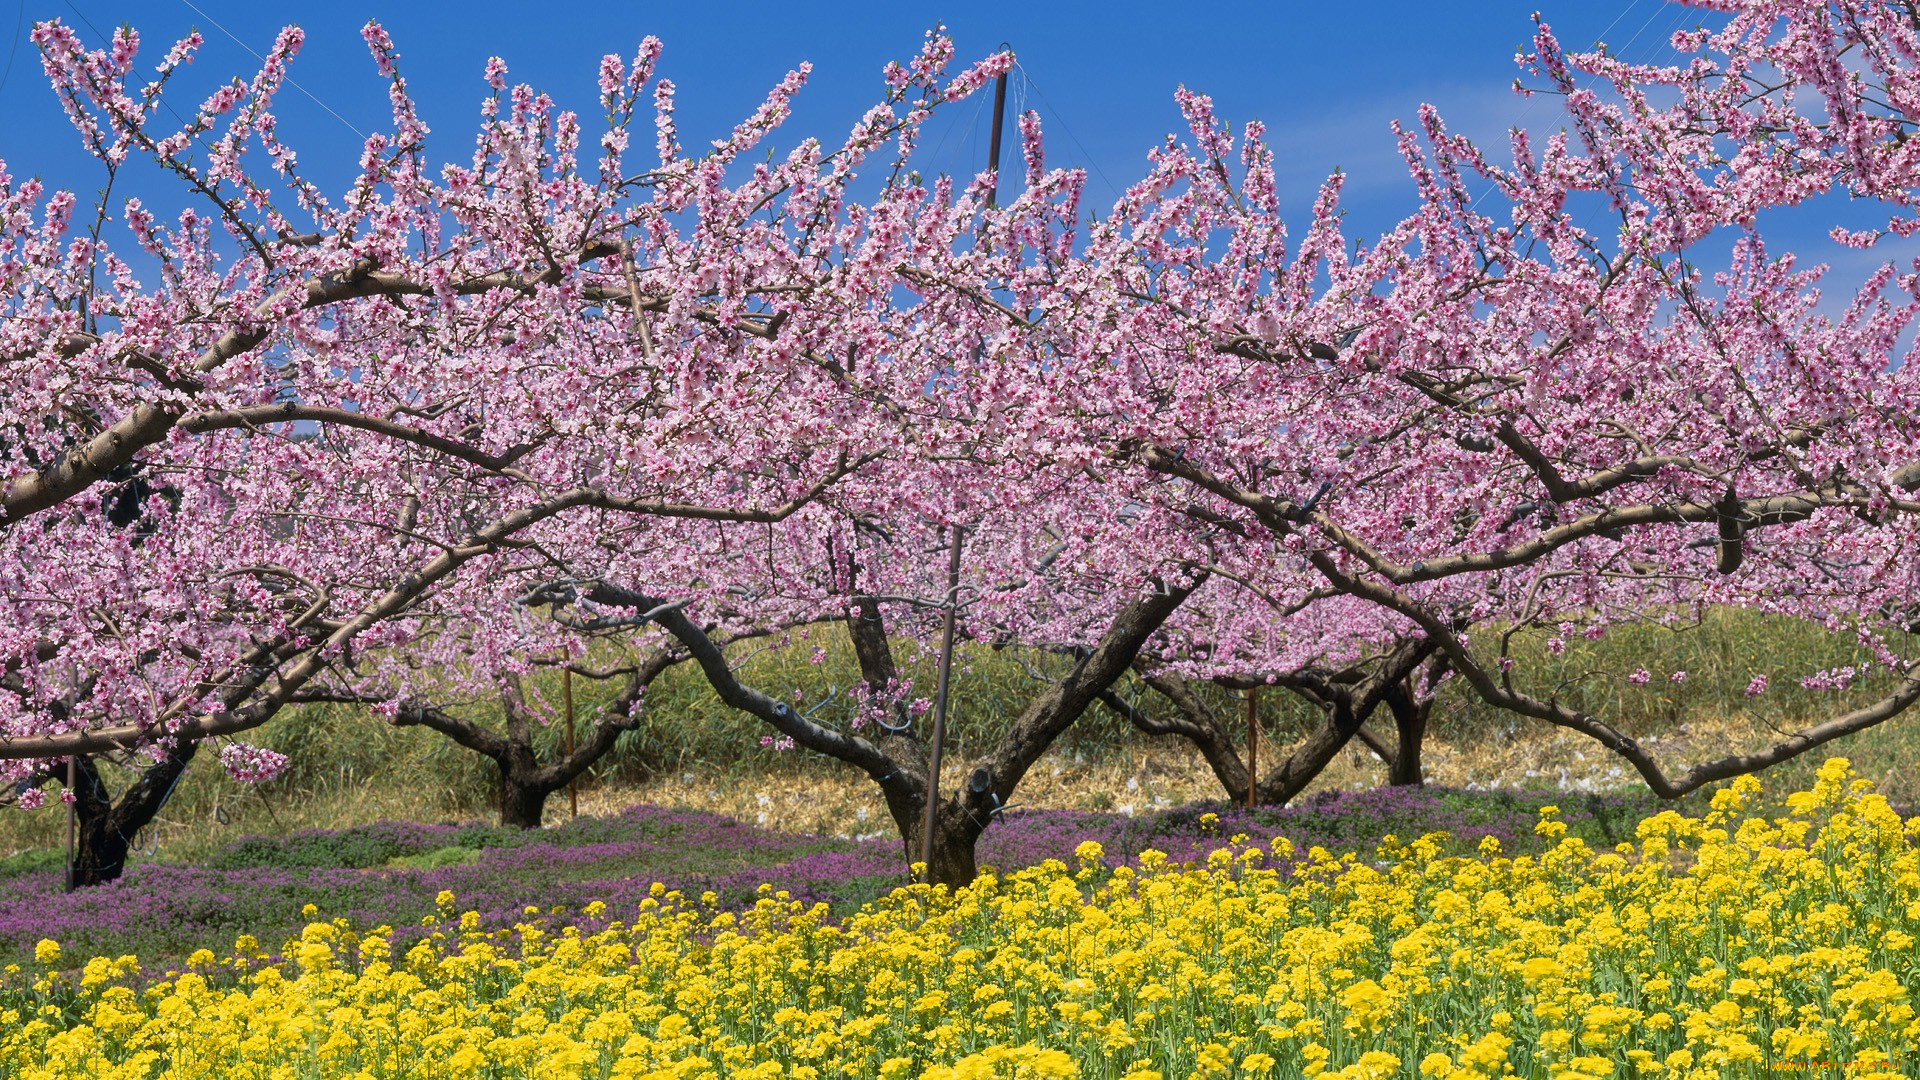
(1713, 947)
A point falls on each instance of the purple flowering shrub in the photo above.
(1343, 821)
(260, 885)
(390, 873)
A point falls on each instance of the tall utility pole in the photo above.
(953, 556)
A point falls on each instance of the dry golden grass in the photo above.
(800, 793)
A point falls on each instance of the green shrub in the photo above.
(435, 859)
(32, 861)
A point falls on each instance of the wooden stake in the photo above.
(566, 691)
(73, 823)
(1253, 746)
(940, 704)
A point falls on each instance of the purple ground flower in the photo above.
(260, 885)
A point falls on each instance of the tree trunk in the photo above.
(107, 827)
(523, 794)
(951, 861)
(1196, 723)
(1410, 721)
(525, 784)
(895, 763)
(99, 852)
(1283, 782)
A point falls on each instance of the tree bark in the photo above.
(952, 861)
(523, 797)
(107, 826)
(1350, 698)
(524, 784)
(1347, 698)
(868, 632)
(1195, 723)
(1410, 724)
(1310, 757)
(1411, 708)
(963, 816)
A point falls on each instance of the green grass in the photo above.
(1720, 651)
(31, 861)
(452, 855)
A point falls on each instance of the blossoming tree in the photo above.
(328, 407)
(873, 556)
(1503, 415)
(577, 360)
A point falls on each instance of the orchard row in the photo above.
(403, 443)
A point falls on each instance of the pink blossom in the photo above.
(1840, 678)
(251, 764)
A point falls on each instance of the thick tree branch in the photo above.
(998, 772)
(1284, 517)
(1194, 723)
(719, 674)
(199, 422)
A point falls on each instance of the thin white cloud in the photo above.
(1358, 139)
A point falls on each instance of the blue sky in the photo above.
(1101, 76)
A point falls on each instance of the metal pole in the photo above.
(1253, 745)
(940, 704)
(993, 143)
(953, 557)
(73, 822)
(566, 691)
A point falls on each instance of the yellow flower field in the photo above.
(1729, 946)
